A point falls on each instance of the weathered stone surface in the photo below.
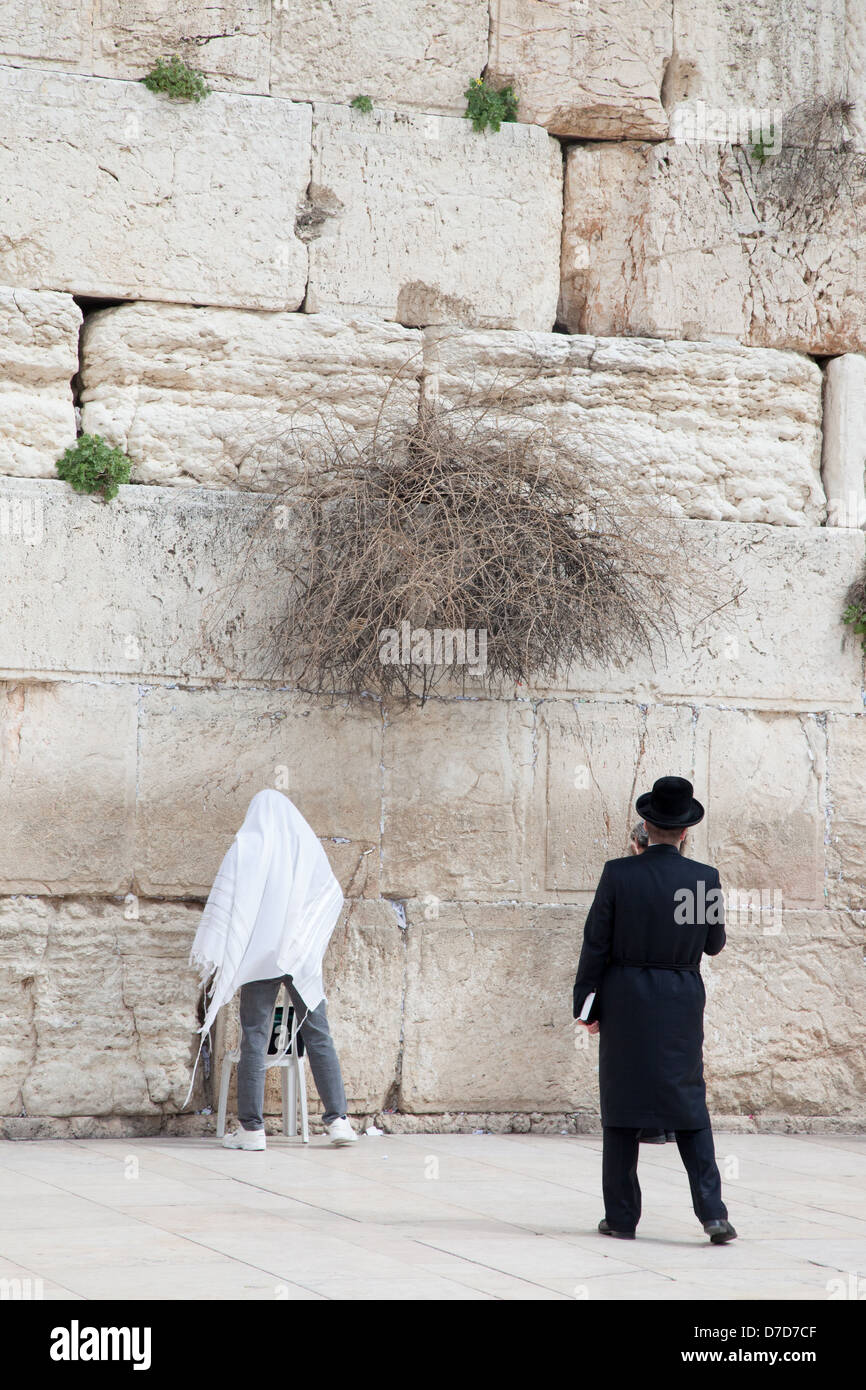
(47, 32)
(163, 200)
(843, 463)
(427, 221)
(726, 433)
(846, 849)
(67, 787)
(590, 71)
(760, 776)
(404, 53)
(38, 357)
(229, 397)
(744, 57)
(677, 241)
(784, 1027)
(364, 982)
(455, 786)
(203, 756)
(488, 1011)
(228, 41)
(157, 582)
(97, 1007)
(187, 583)
(784, 1019)
(765, 799)
(766, 631)
(599, 758)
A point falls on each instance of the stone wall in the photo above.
(207, 286)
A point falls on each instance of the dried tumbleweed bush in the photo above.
(460, 522)
(816, 163)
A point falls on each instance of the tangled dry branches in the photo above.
(448, 522)
(813, 165)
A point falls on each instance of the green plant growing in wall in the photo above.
(854, 612)
(178, 81)
(485, 106)
(362, 103)
(92, 465)
(764, 146)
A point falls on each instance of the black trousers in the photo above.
(621, 1188)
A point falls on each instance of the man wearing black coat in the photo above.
(653, 916)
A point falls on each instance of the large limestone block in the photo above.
(365, 968)
(784, 1024)
(38, 358)
(102, 1020)
(677, 241)
(228, 397)
(456, 778)
(162, 200)
(24, 929)
(591, 71)
(733, 60)
(424, 220)
(50, 33)
(765, 796)
(403, 53)
(764, 630)
(226, 39)
(157, 582)
(488, 1023)
(205, 753)
(760, 776)
(599, 758)
(846, 850)
(720, 432)
(67, 787)
(188, 582)
(843, 464)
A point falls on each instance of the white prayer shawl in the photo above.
(271, 911)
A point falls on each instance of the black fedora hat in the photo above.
(670, 804)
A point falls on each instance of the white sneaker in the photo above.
(245, 1139)
(340, 1132)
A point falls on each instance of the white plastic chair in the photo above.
(294, 1085)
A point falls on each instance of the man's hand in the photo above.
(590, 1027)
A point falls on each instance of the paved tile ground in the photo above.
(423, 1217)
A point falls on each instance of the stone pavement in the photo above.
(448, 1216)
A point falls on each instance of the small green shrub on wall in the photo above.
(362, 103)
(173, 77)
(487, 107)
(92, 465)
(854, 612)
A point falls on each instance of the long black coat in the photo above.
(651, 1016)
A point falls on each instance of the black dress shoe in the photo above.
(720, 1232)
(605, 1230)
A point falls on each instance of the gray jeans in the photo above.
(257, 1007)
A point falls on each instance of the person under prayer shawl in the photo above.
(267, 921)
